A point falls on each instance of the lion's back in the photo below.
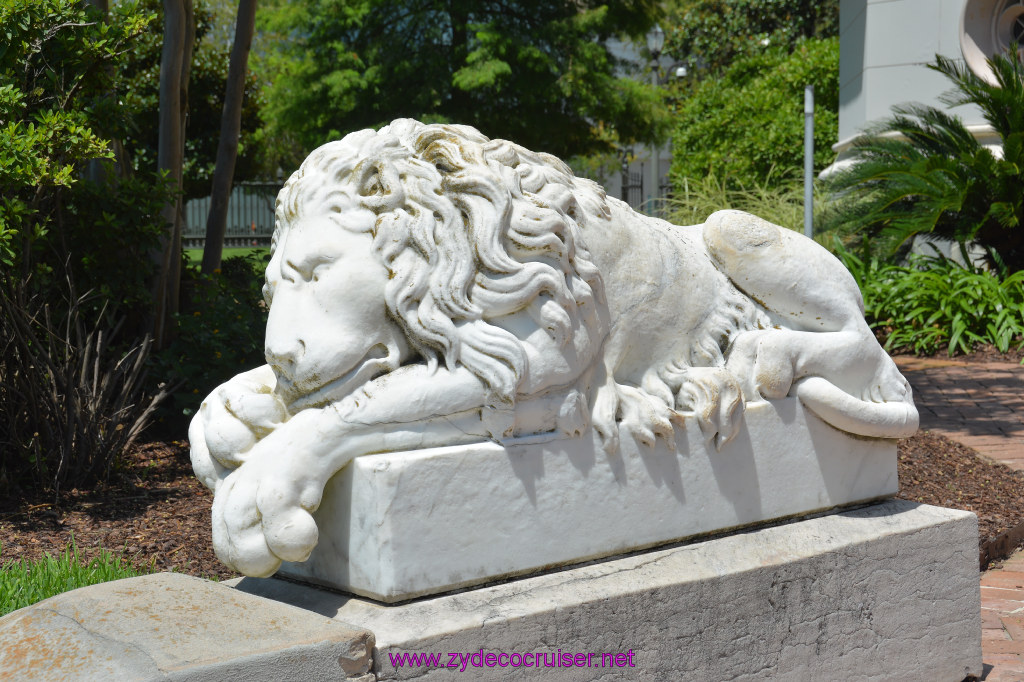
(661, 286)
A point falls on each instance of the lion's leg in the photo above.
(819, 308)
(793, 277)
(808, 292)
(815, 300)
(262, 512)
(770, 361)
(846, 380)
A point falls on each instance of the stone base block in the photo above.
(401, 525)
(169, 626)
(884, 592)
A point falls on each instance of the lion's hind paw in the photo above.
(715, 397)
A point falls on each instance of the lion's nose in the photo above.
(283, 355)
(283, 347)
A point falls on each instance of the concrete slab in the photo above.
(888, 591)
(169, 626)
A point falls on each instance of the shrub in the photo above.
(712, 34)
(69, 403)
(921, 172)
(63, 206)
(935, 302)
(747, 127)
(220, 331)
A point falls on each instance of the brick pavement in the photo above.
(982, 406)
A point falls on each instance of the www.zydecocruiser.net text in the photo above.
(463, 660)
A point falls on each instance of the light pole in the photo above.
(655, 43)
(809, 161)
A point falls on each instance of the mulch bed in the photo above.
(989, 353)
(156, 514)
(936, 470)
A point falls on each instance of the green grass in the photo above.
(196, 255)
(23, 583)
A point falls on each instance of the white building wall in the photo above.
(884, 47)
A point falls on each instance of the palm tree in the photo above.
(921, 172)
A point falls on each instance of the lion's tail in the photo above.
(896, 419)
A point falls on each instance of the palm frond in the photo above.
(922, 172)
(999, 101)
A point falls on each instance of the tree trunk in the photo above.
(175, 63)
(179, 213)
(458, 14)
(97, 169)
(230, 126)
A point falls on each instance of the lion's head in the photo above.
(411, 239)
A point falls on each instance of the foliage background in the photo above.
(65, 218)
(533, 72)
(747, 126)
(220, 331)
(139, 72)
(710, 35)
(781, 203)
(922, 172)
(932, 303)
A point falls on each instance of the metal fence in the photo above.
(661, 207)
(250, 219)
(250, 216)
(633, 188)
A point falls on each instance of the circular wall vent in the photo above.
(989, 27)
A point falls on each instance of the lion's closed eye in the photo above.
(311, 268)
(319, 268)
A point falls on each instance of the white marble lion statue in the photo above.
(429, 286)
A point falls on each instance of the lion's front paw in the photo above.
(231, 421)
(238, 538)
(260, 519)
(235, 420)
(645, 417)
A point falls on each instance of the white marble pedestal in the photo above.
(885, 592)
(401, 525)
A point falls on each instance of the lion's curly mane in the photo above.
(470, 229)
